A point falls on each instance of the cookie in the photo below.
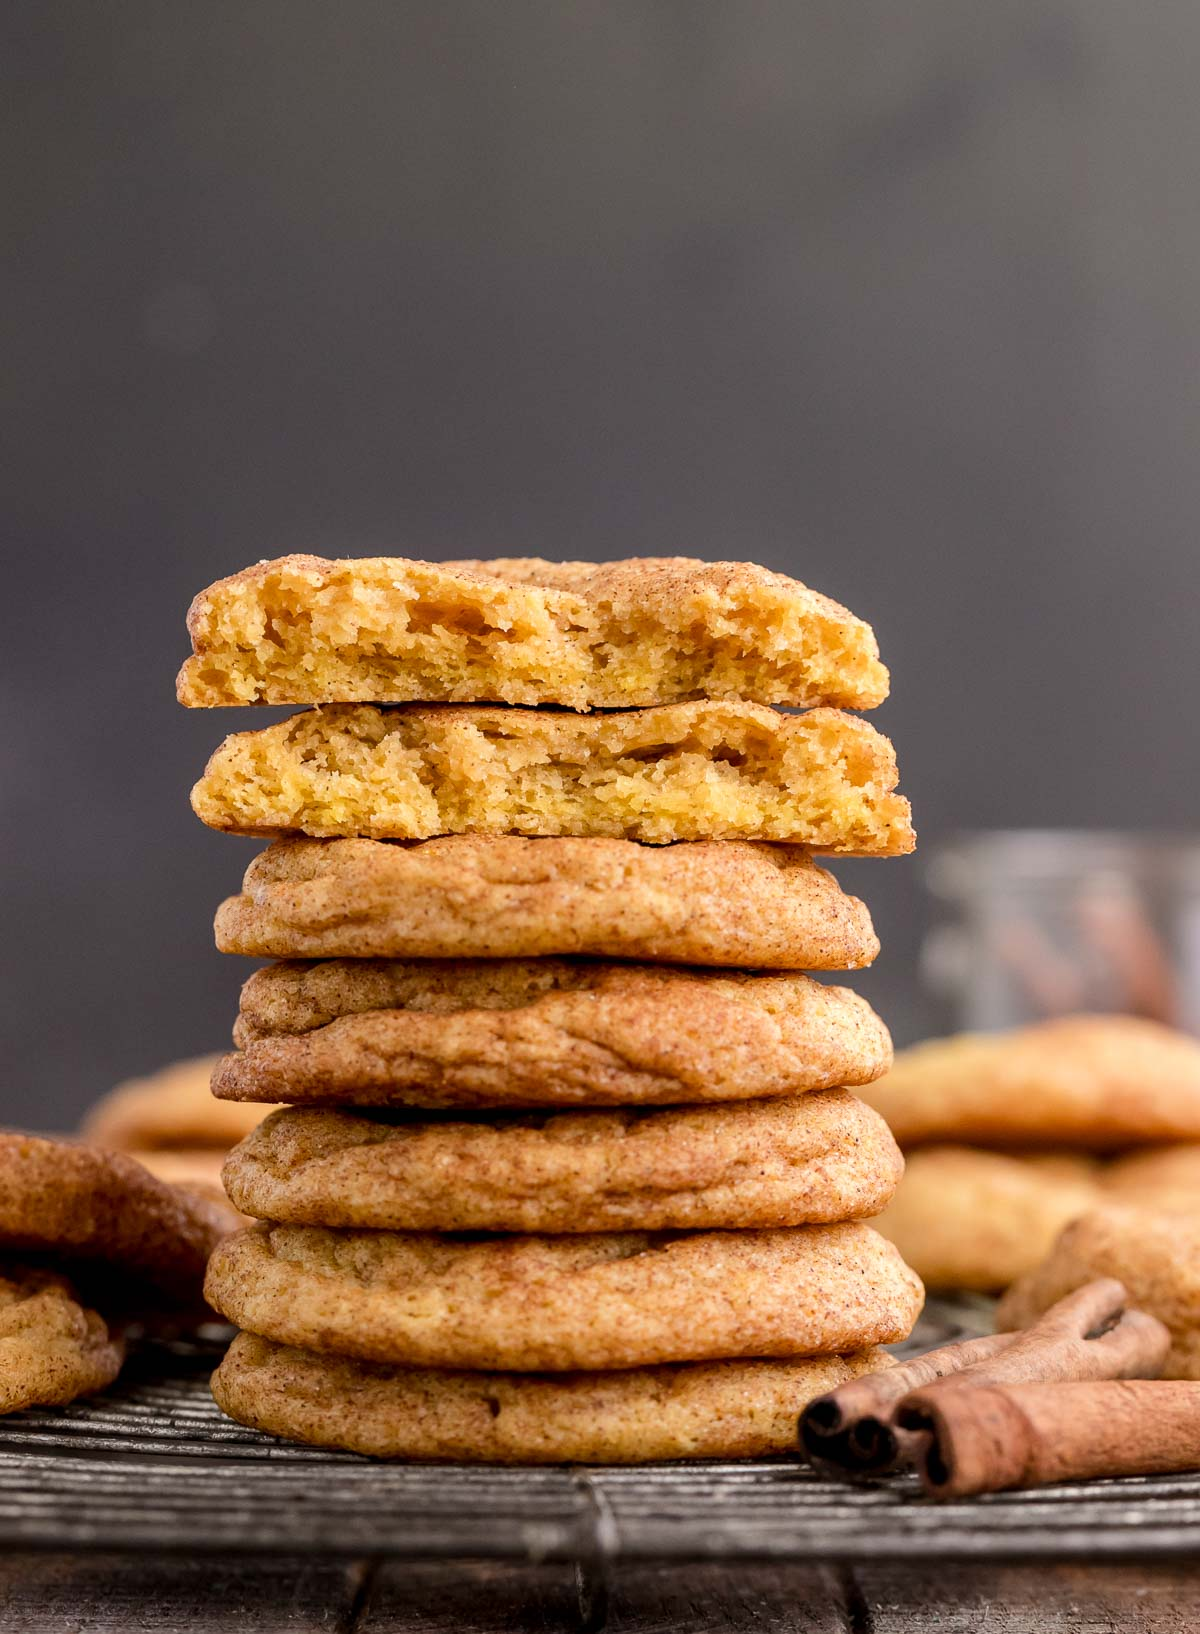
(52, 1347)
(1155, 1254)
(144, 1241)
(813, 1158)
(196, 1167)
(504, 896)
(720, 771)
(1100, 1082)
(541, 1032)
(552, 1304)
(608, 635)
(172, 1109)
(701, 1410)
(966, 1218)
(1159, 1177)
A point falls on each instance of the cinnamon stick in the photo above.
(862, 1429)
(851, 1429)
(995, 1437)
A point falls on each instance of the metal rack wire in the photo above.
(153, 1465)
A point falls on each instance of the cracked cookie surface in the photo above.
(541, 1032)
(728, 902)
(742, 1409)
(532, 1303)
(812, 1159)
(651, 630)
(715, 771)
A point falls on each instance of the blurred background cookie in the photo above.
(1094, 1082)
(1155, 1253)
(1010, 1135)
(91, 1244)
(142, 1243)
(52, 1346)
(172, 1123)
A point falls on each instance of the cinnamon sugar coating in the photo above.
(542, 1032)
(526, 1303)
(745, 1409)
(504, 896)
(816, 1158)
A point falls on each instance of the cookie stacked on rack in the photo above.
(566, 1169)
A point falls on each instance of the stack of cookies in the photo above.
(1010, 1136)
(565, 1168)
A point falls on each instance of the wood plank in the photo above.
(489, 1597)
(114, 1594)
(1055, 1599)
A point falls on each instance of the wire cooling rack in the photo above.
(153, 1465)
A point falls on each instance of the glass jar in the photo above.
(1037, 923)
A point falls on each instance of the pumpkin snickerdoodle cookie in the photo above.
(697, 771)
(1156, 1254)
(170, 1111)
(743, 1409)
(1095, 1082)
(144, 1241)
(1160, 1177)
(814, 1158)
(53, 1348)
(728, 902)
(541, 1032)
(650, 630)
(968, 1218)
(621, 1299)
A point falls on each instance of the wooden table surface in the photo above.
(108, 1594)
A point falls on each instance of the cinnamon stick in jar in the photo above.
(996, 1437)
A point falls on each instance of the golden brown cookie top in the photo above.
(505, 896)
(813, 1158)
(711, 770)
(616, 1299)
(103, 1213)
(701, 1410)
(172, 1109)
(653, 630)
(299, 995)
(967, 1218)
(532, 1032)
(52, 1347)
(1100, 1082)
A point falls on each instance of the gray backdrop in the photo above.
(902, 300)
